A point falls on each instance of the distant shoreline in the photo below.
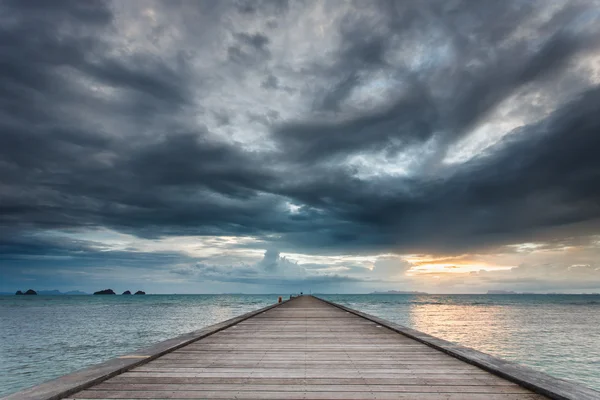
(399, 292)
(44, 293)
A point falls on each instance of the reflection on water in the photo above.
(558, 334)
(42, 337)
(459, 324)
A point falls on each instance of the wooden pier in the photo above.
(307, 348)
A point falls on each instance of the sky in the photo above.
(276, 147)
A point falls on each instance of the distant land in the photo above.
(125, 293)
(105, 292)
(69, 293)
(29, 292)
(51, 293)
(549, 293)
(501, 292)
(59, 293)
(398, 292)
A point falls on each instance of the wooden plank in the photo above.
(313, 388)
(322, 372)
(306, 364)
(182, 394)
(449, 381)
(301, 374)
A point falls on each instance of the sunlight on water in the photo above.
(48, 336)
(557, 334)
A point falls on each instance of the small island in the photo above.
(140, 292)
(127, 292)
(30, 292)
(48, 292)
(105, 291)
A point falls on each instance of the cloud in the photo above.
(390, 267)
(548, 277)
(181, 119)
(271, 270)
(250, 49)
(272, 260)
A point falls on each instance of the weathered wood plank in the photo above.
(313, 388)
(307, 364)
(411, 380)
(322, 372)
(301, 374)
(182, 394)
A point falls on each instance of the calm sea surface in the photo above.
(43, 337)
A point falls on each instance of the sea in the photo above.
(44, 337)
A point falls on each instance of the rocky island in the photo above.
(140, 292)
(127, 292)
(47, 293)
(105, 291)
(30, 292)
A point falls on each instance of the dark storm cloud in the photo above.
(261, 6)
(418, 115)
(97, 136)
(16, 246)
(56, 260)
(271, 82)
(543, 177)
(250, 48)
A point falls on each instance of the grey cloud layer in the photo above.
(166, 135)
(271, 270)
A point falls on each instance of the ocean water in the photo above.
(43, 337)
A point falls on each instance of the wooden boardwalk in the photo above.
(307, 349)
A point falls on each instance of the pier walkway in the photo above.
(307, 349)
